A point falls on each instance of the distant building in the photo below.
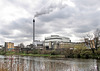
(53, 41)
(1, 47)
(39, 46)
(30, 46)
(17, 49)
(67, 45)
(9, 46)
(38, 43)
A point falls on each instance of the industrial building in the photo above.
(1, 47)
(53, 41)
(9, 46)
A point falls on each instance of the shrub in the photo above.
(55, 52)
(35, 51)
(98, 51)
(68, 53)
(2, 52)
(85, 54)
(77, 52)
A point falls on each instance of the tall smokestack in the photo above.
(33, 31)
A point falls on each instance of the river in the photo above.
(29, 63)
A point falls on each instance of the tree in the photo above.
(21, 45)
(93, 39)
(96, 38)
(97, 33)
(91, 43)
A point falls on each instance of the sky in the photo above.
(69, 18)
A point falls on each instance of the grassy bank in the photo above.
(67, 53)
(42, 55)
(35, 55)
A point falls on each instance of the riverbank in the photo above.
(66, 53)
(93, 56)
(56, 56)
(36, 55)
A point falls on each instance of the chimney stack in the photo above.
(33, 31)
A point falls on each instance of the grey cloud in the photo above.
(82, 18)
(21, 40)
(87, 4)
(82, 30)
(64, 13)
(41, 27)
(18, 36)
(24, 25)
(18, 3)
(30, 6)
(2, 40)
(86, 28)
(4, 31)
(42, 31)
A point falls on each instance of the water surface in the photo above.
(29, 63)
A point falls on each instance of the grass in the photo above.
(35, 55)
(42, 55)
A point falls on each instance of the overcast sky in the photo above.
(70, 18)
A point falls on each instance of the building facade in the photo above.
(53, 41)
(9, 46)
(1, 47)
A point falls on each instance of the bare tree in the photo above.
(97, 33)
(21, 45)
(96, 38)
(93, 39)
(90, 37)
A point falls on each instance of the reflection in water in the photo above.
(27, 63)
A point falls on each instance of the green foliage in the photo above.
(36, 51)
(10, 53)
(77, 52)
(55, 52)
(67, 52)
(98, 51)
(79, 46)
(2, 52)
(86, 54)
(46, 51)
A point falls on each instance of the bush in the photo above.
(55, 52)
(36, 51)
(85, 54)
(2, 52)
(98, 51)
(46, 52)
(68, 53)
(77, 53)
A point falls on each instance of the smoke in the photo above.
(50, 7)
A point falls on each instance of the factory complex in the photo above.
(51, 42)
